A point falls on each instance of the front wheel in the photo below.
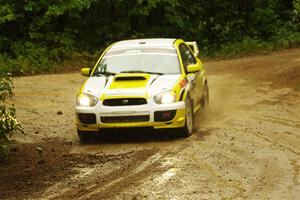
(86, 136)
(188, 128)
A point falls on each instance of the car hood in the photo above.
(129, 85)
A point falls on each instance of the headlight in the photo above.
(86, 100)
(165, 97)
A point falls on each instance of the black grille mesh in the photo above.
(124, 119)
(124, 102)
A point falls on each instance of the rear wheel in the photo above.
(188, 128)
(205, 97)
(86, 136)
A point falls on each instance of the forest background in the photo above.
(38, 36)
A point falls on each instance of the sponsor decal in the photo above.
(183, 83)
(125, 92)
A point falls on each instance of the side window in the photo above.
(192, 47)
(187, 56)
(191, 58)
(184, 56)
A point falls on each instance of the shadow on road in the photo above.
(134, 135)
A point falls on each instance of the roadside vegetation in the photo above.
(8, 122)
(38, 36)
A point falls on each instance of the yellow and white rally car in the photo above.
(158, 83)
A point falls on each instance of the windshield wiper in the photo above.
(140, 71)
(96, 73)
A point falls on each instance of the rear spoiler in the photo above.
(193, 45)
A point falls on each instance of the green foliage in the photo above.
(36, 34)
(6, 14)
(8, 122)
(296, 15)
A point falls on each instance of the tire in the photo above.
(205, 97)
(86, 136)
(188, 128)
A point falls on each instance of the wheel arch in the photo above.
(186, 93)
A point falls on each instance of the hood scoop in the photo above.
(131, 77)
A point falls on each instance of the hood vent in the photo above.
(130, 78)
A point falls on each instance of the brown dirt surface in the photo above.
(33, 167)
(282, 68)
(246, 146)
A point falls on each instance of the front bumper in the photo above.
(102, 112)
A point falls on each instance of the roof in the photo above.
(137, 43)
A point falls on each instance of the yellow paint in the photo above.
(85, 71)
(193, 68)
(122, 84)
(176, 45)
(177, 88)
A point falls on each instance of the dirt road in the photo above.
(247, 146)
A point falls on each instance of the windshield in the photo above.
(143, 60)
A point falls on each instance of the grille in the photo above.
(124, 102)
(120, 119)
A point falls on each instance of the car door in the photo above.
(194, 79)
(198, 76)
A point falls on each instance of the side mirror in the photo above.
(193, 68)
(85, 71)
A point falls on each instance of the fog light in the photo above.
(164, 116)
(87, 118)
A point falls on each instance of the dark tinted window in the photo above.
(186, 55)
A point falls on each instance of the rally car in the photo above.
(158, 83)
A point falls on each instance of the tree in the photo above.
(34, 34)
